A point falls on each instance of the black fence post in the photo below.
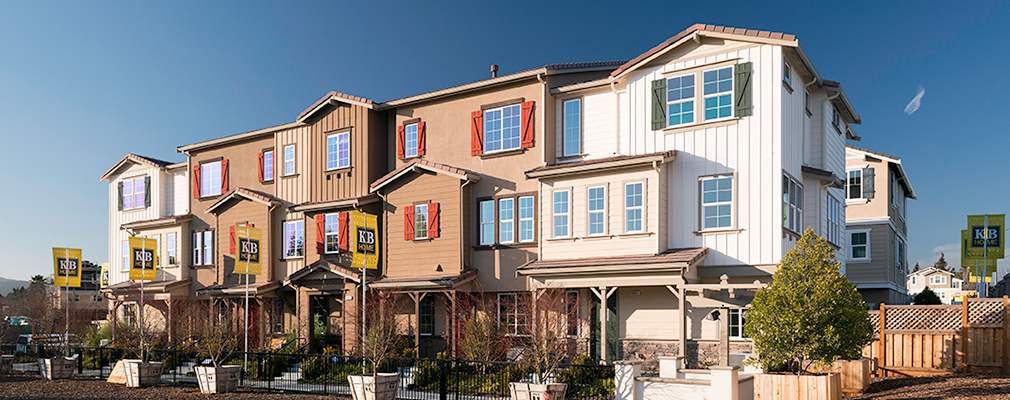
(443, 385)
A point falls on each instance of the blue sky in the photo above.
(82, 83)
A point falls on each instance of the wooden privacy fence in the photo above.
(922, 340)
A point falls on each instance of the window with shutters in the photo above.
(854, 185)
(634, 207)
(294, 239)
(572, 143)
(331, 232)
(421, 221)
(597, 203)
(134, 193)
(502, 128)
(792, 204)
(268, 165)
(171, 249)
(716, 202)
(338, 150)
(410, 141)
(289, 160)
(561, 213)
(724, 93)
(210, 179)
(859, 245)
(680, 100)
(718, 93)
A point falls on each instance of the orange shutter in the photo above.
(527, 124)
(320, 234)
(476, 133)
(400, 141)
(344, 230)
(432, 220)
(231, 239)
(224, 176)
(196, 181)
(261, 166)
(408, 223)
(420, 138)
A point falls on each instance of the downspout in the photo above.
(543, 100)
(384, 235)
(804, 125)
(617, 117)
(824, 132)
(462, 247)
(270, 218)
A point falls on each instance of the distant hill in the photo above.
(6, 285)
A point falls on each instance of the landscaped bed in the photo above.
(954, 386)
(31, 386)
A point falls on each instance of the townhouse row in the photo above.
(655, 191)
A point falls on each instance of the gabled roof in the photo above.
(431, 282)
(929, 270)
(902, 178)
(136, 159)
(238, 289)
(324, 266)
(601, 164)
(249, 194)
(350, 202)
(334, 97)
(157, 222)
(421, 164)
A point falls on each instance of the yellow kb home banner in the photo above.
(247, 250)
(970, 259)
(67, 267)
(986, 236)
(364, 231)
(143, 258)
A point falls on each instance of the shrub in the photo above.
(927, 296)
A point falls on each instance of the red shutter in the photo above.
(399, 141)
(476, 133)
(420, 138)
(344, 230)
(196, 181)
(527, 124)
(261, 166)
(224, 176)
(408, 223)
(320, 234)
(432, 220)
(231, 239)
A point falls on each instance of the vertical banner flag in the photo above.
(143, 258)
(364, 240)
(67, 267)
(986, 238)
(969, 259)
(104, 278)
(247, 250)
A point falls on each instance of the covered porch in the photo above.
(327, 292)
(167, 297)
(230, 298)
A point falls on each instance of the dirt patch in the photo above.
(34, 387)
(954, 386)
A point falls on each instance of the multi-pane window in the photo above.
(737, 317)
(338, 150)
(526, 220)
(792, 204)
(854, 185)
(680, 100)
(572, 312)
(133, 193)
(717, 202)
(573, 127)
(170, 249)
(513, 313)
(834, 233)
(938, 280)
(426, 316)
(203, 248)
(294, 239)
(268, 165)
(157, 247)
(126, 256)
(718, 93)
(210, 179)
(633, 207)
(561, 212)
(410, 140)
(277, 317)
(596, 205)
(487, 220)
(860, 245)
(331, 232)
(501, 128)
(900, 260)
(289, 159)
(835, 119)
(421, 221)
(506, 220)
(787, 73)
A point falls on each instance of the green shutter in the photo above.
(742, 90)
(658, 104)
(120, 195)
(147, 191)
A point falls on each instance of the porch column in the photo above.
(683, 323)
(724, 336)
(169, 322)
(115, 318)
(416, 297)
(603, 294)
(451, 320)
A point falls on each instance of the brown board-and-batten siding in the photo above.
(423, 257)
(367, 152)
(243, 211)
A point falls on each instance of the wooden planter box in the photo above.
(796, 387)
(379, 387)
(532, 391)
(140, 374)
(57, 368)
(218, 380)
(855, 375)
(6, 364)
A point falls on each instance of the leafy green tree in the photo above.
(810, 314)
(927, 296)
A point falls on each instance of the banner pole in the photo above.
(143, 268)
(985, 254)
(66, 299)
(245, 360)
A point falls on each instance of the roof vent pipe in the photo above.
(494, 70)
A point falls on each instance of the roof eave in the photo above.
(413, 168)
(464, 88)
(236, 137)
(589, 168)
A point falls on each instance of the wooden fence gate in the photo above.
(923, 340)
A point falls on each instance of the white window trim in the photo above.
(208, 254)
(125, 257)
(336, 154)
(417, 211)
(294, 160)
(567, 214)
(914, 280)
(854, 200)
(484, 135)
(284, 244)
(174, 248)
(532, 219)
(787, 74)
(796, 204)
(204, 183)
(701, 204)
(564, 128)
(270, 164)
(834, 227)
(701, 92)
(741, 312)
(694, 100)
(133, 192)
(899, 263)
(645, 195)
(501, 221)
(603, 211)
(432, 302)
(408, 150)
(327, 234)
(481, 223)
(513, 326)
(848, 254)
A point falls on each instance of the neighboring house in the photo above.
(946, 285)
(877, 189)
(677, 184)
(86, 302)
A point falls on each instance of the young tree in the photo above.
(216, 340)
(547, 314)
(481, 338)
(927, 296)
(941, 263)
(383, 334)
(810, 313)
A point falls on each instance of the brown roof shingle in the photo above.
(687, 255)
(669, 153)
(418, 161)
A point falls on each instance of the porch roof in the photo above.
(432, 282)
(152, 287)
(325, 267)
(670, 259)
(238, 289)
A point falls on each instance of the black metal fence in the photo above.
(420, 379)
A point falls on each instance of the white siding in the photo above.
(599, 118)
(180, 191)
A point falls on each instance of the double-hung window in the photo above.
(338, 150)
(572, 127)
(331, 232)
(717, 202)
(834, 220)
(859, 244)
(294, 239)
(513, 313)
(597, 203)
(502, 128)
(572, 312)
(792, 204)
(718, 93)
(268, 165)
(487, 220)
(410, 141)
(289, 160)
(835, 119)
(634, 207)
(561, 213)
(854, 185)
(426, 315)
(170, 249)
(938, 280)
(737, 317)
(506, 220)
(421, 221)
(526, 219)
(203, 248)
(787, 73)
(133, 193)
(900, 260)
(126, 256)
(680, 100)
(210, 179)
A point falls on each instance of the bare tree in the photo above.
(481, 337)
(383, 333)
(545, 316)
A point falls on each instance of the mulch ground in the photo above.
(34, 387)
(954, 386)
